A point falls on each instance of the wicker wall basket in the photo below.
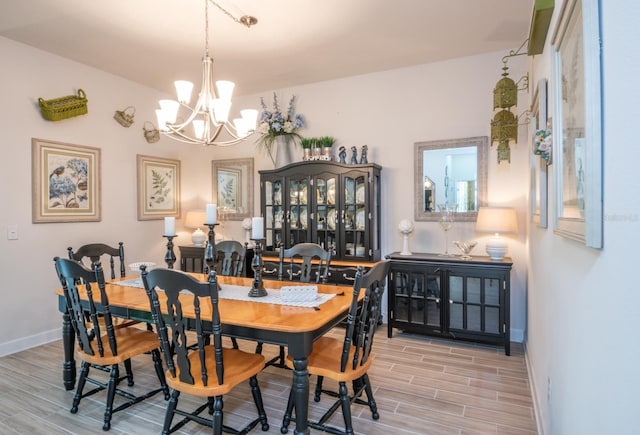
(125, 117)
(64, 107)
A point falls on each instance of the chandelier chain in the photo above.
(247, 20)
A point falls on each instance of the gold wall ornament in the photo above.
(504, 125)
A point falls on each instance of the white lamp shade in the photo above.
(497, 220)
(162, 120)
(194, 219)
(183, 89)
(221, 110)
(170, 110)
(198, 128)
(225, 89)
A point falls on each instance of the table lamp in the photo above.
(195, 219)
(496, 220)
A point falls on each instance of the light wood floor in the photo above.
(422, 385)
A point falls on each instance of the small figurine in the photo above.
(354, 156)
(363, 156)
(343, 155)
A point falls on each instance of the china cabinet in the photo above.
(334, 205)
(450, 297)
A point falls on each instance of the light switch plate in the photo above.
(12, 232)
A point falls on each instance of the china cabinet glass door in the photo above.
(355, 216)
(298, 211)
(326, 212)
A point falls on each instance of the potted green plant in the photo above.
(307, 144)
(326, 142)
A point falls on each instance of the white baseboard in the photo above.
(534, 392)
(28, 342)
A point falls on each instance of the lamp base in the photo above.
(497, 248)
(198, 237)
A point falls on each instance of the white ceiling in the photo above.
(154, 42)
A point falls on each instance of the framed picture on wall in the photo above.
(66, 182)
(539, 160)
(158, 187)
(232, 187)
(577, 125)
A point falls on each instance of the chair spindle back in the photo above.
(362, 320)
(172, 331)
(304, 272)
(94, 251)
(73, 277)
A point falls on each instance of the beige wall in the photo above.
(582, 302)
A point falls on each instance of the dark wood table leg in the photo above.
(301, 395)
(69, 364)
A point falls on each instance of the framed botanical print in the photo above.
(66, 182)
(577, 125)
(158, 187)
(233, 187)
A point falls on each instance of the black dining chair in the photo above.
(95, 252)
(229, 260)
(303, 262)
(195, 367)
(104, 346)
(349, 359)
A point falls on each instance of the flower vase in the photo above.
(285, 147)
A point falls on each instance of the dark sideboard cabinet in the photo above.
(450, 297)
(332, 204)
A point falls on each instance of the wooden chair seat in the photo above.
(325, 361)
(131, 342)
(238, 366)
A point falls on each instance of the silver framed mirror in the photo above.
(452, 172)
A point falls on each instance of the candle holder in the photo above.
(170, 256)
(257, 290)
(210, 250)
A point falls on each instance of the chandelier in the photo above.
(210, 116)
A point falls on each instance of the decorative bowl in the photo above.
(465, 248)
(135, 267)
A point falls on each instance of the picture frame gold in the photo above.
(65, 182)
(577, 123)
(232, 187)
(158, 182)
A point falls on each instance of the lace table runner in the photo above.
(241, 293)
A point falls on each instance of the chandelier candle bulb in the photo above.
(211, 214)
(257, 231)
(169, 226)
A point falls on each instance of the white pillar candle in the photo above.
(257, 230)
(211, 215)
(169, 226)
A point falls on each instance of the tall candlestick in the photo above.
(211, 215)
(257, 289)
(169, 226)
(170, 256)
(257, 228)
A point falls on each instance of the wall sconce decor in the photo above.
(504, 125)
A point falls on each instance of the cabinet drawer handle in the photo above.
(348, 278)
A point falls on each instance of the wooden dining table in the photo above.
(294, 327)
